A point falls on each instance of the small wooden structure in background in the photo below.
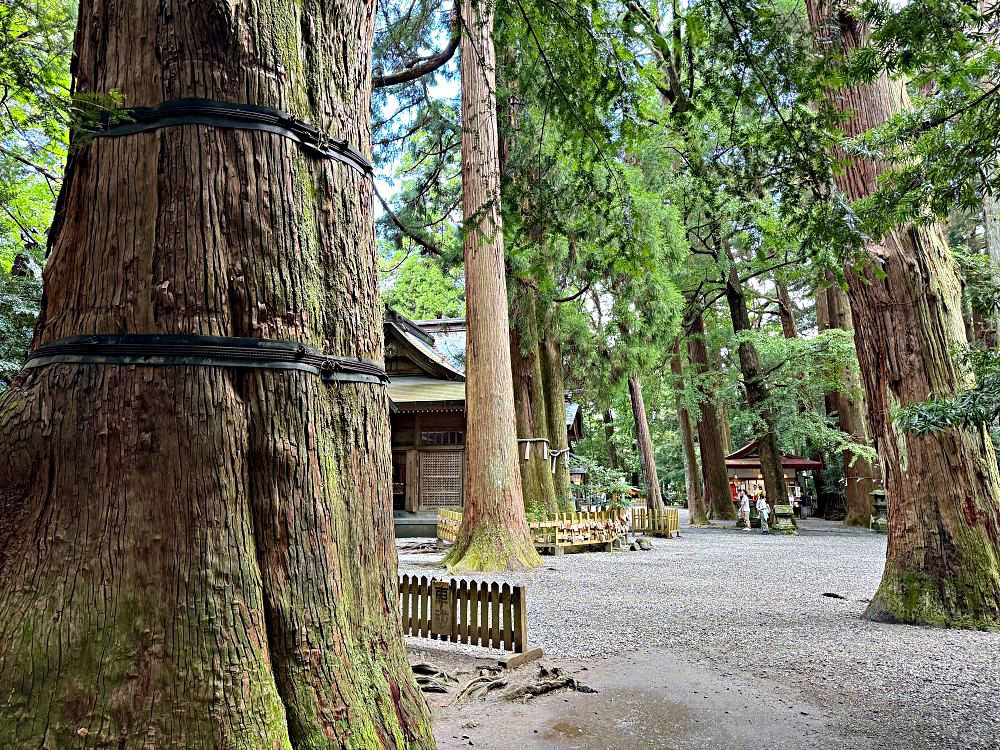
(481, 613)
(663, 523)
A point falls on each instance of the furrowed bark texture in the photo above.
(198, 557)
(713, 455)
(694, 488)
(530, 407)
(756, 393)
(943, 490)
(851, 417)
(494, 530)
(647, 458)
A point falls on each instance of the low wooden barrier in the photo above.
(448, 522)
(665, 523)
(557, 533)
(482, 613)
(563, 531)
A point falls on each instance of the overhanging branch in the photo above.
(421, 66)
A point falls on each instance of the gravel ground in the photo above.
(744, 604)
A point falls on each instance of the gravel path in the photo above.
(744, 604)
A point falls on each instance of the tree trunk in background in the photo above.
(830, 502)
(989, 334)
(550, 351)
(694, 488)
(609, 434)
(786, 310)
(756, 393)
(647, 457)
(202, 557)
(943, 490)
(530, 408)
(851, 417)
(713, 454)
(494, 530)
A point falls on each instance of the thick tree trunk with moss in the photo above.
(494, 530)
(647, 457)
(943, 490)
(850, 412)
(713, 454)
(530, 407)
(693, 485)
(202, 557)
(756, 394)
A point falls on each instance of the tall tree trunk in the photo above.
(756, 393)
(943, 490)
(550, 350)
(713, 454)
(694, 488)
(609, 434)
(494, 530)
(989, 334)
(202, 557)
(851, 418)
(786, 310)
(530, 408)
(647, 457)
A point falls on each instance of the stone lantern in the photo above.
(880, 510)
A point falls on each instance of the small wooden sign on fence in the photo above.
(442, 609)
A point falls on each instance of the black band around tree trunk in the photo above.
(229, 115)
(205, 351)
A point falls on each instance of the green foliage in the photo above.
(944, 148)
(20, 297)
(971, 408)
(420, 289)
(35, 45)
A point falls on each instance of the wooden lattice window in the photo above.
(441, 484)
(442, 437)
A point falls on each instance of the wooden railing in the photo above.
(482, 613)
(664, 522)
(564, 530)
(557, 532)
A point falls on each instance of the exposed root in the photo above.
(431, 679)
(548, 681)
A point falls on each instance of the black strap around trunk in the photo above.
(205, 351)
(230, 115)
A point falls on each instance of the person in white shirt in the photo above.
(745, 510)
(764, 512)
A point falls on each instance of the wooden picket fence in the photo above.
(448, 522)
(558, 532)
(665, 523)
(482, 613)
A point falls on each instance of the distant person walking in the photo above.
(763, 511)
(745, 510)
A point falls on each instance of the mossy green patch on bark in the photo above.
(491, 550)
(969, 600)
